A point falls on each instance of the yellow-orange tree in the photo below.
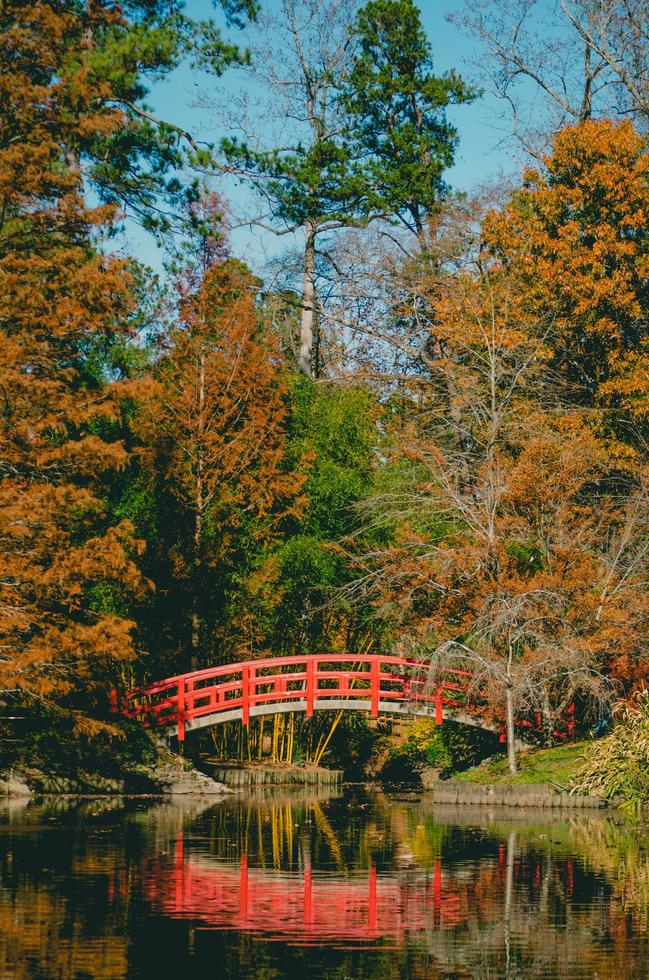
(65, 569)
(578, 235)
(213, 424)
(511, 558)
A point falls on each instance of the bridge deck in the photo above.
(338, 704)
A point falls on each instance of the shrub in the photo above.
(616, 767)
(448, 748)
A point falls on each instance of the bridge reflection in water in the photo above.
(308, 907)
(361, 885)
(343, 874)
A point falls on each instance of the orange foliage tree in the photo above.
(577, 234)
(65, 568)
(510, 557)
(215, 421)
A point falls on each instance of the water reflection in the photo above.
(366, 885)
(305, 907)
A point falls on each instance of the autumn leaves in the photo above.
(526, 559)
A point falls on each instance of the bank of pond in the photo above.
(446, 760)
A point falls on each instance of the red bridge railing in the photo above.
(373, 682)
(380, 683)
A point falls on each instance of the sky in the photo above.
(483, 153)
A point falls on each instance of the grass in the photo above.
(556, 765)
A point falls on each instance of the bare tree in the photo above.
(526, 658)
(290, 138)
(559, 62)
(617, 32)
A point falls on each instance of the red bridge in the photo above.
(375, 683)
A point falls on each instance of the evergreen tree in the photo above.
(401, 132)
(308, 181)
(108, 53)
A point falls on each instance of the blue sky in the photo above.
(482, 154)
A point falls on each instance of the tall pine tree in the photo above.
(398, 106)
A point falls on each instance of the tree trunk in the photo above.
(72, 155)
(199, 504)
(548, 721)
(196, 616)
(511, 735)
(307, 322)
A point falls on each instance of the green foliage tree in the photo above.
(397, 104)
(308, 179)
(291, 595)
(130, 156)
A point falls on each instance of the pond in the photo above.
(366, 884)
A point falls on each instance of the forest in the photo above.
(421, 428)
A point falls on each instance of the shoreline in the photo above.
(533, 795)
(451, 793)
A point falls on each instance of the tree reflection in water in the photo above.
(361, 886)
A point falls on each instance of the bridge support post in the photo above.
(181, 710)
(375, 681)
(245, 694)
(439, 707)
(310, 687)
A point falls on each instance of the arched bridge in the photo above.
(374, 683)
(315, 682)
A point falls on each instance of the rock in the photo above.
(170, 776)
(14, 784)
(429, 778)
(174, 781)
(78, 784)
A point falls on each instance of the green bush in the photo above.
(425, 746)
(447, 748)
(616, 767)
(355, 744)
(51, 743)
